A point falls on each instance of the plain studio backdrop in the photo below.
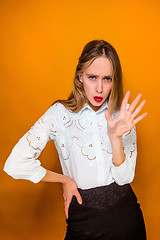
(41, 42)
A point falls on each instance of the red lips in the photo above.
(98, 98)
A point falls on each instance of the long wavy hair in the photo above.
(91, 51)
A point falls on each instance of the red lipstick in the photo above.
(98, 98)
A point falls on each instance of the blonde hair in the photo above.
(91, 51)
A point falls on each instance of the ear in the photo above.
(80, 77)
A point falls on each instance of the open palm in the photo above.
(125, 121)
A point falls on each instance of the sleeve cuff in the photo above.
(121, 167)
(39, 175)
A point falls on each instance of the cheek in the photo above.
(108, 88)
(87, 87)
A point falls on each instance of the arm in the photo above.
(122, 135)
(124, 152)
(23, 161)
(51, 176)
(117, 151)
(69, 188)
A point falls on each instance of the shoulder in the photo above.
(58, 111)
(56, 108)
(53, 112)
(59, 108)
(52, 117)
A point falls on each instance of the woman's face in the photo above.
(97, 81)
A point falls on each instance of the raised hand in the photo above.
(126, 120)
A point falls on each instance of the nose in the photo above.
(99, 86)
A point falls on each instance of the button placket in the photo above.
(99, 154)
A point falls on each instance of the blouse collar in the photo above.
(103, 107)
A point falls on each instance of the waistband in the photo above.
(104, 196)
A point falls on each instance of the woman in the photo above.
(94, 134)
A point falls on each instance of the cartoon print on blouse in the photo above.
(87, 150)
(34, 136)
(65, 148)
(52, 130)
(30, 138)
(78, 125)
(131, 152)
(64, 152)
(86, 145)
(35, 155)
(69, 124)
(106, 150)
(132, 148)
(106, 145)
(127, 140)
(73, 138)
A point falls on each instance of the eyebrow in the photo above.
(91, 74)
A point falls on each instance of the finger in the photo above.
(134, 103)
(65, 209)
(66, 213)
(138, 109)
(124, 102)
(107, 114)
(140, 117)
(67, 203)
(78, 196)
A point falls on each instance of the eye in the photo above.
(92, 77)
(108, 78)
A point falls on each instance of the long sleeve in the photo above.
(124, 173)
(22, 163)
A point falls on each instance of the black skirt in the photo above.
(108, 212)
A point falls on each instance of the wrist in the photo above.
(67, 179)
(114, 138)
(118, 163)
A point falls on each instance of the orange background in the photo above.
(41, 43)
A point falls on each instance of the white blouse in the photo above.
(83, 146)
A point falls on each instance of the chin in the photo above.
(95, 106)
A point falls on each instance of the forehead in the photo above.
(100, 65)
